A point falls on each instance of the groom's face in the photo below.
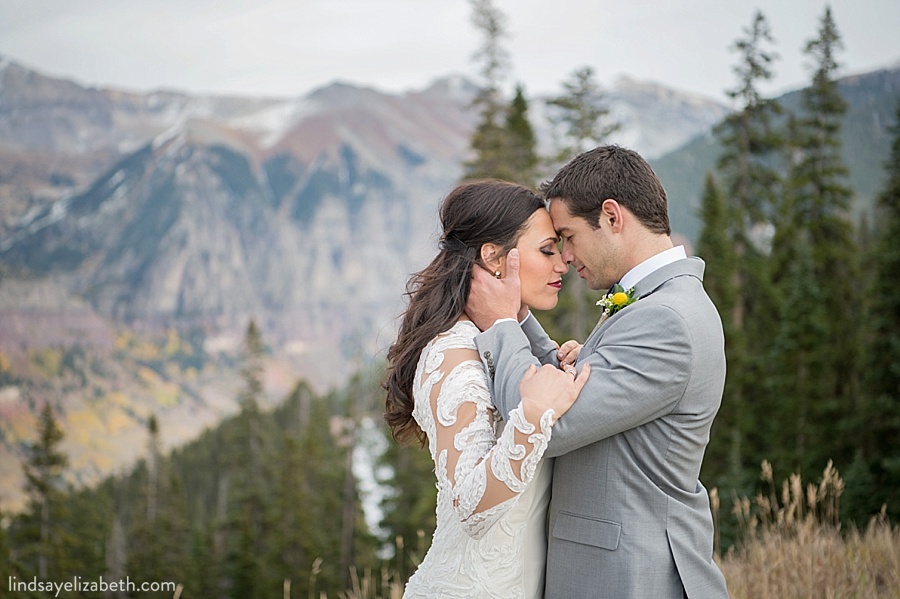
(591, 251)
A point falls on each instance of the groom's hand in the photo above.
(491, 299)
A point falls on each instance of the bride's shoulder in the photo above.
(462, 333)
(449, 349)
(460, 336)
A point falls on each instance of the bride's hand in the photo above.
(549, 388)
(568, 353)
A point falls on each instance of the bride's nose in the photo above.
(560, 266)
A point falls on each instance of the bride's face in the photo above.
(541, 266)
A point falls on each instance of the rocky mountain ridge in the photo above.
(166, 207)
(139, 232)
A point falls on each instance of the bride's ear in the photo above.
(490, 255)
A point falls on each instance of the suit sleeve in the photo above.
(639, 372)
(542, 346)
(505, 352)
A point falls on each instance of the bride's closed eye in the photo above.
(551, 248)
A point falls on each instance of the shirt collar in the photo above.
(651, 264)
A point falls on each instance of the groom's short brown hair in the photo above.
(611, 172)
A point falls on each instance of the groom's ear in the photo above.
(611, 215)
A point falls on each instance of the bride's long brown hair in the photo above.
(472, 214)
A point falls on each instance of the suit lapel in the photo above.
(691, 266)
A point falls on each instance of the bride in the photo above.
(493, 486)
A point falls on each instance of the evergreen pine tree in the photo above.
(880, 419)
(409, 511)
(522, 159)
(252, 369)
(292, 495)
(44, 483)
(814, 226)
(9, 569)
(116, 558)
(204, 554)
(750, 144)
(794, 437)
(177, 562)
(159, 535)
(580, 115)
(247, 509)
(5, 558)
(722, 462)
(715, 247)
(85, 523)
(749, 139)
(489, 141)
(321, 525)
(355, 405)
(153, 458)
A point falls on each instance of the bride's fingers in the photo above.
(568, 346)
(568, 351)
(529, 373)
(582, 377)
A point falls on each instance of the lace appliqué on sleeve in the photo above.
(482, 473)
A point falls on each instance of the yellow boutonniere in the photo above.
(617, 299)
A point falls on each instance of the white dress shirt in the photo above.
(651, 264)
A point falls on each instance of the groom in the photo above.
(629, 517)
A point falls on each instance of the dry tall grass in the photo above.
(792, 548)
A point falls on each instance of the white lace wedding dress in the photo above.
(493, 486)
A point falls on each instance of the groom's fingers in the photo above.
(512, 264)
(479, 273)
(491, 299)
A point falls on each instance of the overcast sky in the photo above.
(287, 48)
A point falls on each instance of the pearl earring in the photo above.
(497, 274)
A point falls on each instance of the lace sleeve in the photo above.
(483, 474)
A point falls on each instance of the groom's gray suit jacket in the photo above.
(629, 517)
